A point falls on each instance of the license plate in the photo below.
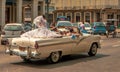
(22, 48)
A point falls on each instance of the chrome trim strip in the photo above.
(57, 43)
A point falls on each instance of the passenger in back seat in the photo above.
(73, 32)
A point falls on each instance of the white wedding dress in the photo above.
(42, 31)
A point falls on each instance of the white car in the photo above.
(53, 49)
(88, 27)
(11, 30)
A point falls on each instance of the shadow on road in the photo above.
(65, 61)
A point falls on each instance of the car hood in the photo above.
(87, 28)
(63, 29)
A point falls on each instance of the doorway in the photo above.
(8, 14)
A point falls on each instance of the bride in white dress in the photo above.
(42, 31)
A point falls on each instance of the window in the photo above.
(77, 17)
(69, 16)
(87, 17)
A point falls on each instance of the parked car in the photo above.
(11, 30)
(63, 25)
(98, 28)
(88, 28)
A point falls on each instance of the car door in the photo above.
(67, 44)
(82, 44)
(64, 44)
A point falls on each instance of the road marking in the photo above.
(115, 45)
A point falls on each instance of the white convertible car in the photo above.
(53, 49)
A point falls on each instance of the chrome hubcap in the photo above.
(55, 56)
(94, 49)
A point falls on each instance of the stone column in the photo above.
(2, 13)
(115, 17)
(34, 9)
(43, 7)
(94, 17)
(105, 16)
(19, 11)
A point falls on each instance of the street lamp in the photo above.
(47, 3)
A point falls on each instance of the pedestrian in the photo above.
(82, 27)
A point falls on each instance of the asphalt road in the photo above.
(106, 60)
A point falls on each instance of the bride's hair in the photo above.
(44, 16)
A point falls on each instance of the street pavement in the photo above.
(106, 60)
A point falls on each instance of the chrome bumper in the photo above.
(28, 53)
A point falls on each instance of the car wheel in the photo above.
(54, 57)
(93, 50)
(25, 59)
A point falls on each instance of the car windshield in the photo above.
(75, 24)
(64, 24)
(87, 25)
(99, 24)
(13, 28)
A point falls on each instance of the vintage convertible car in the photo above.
(53, 49)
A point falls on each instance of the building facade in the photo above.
(75, 10)
(20, 10)
(87, 10)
